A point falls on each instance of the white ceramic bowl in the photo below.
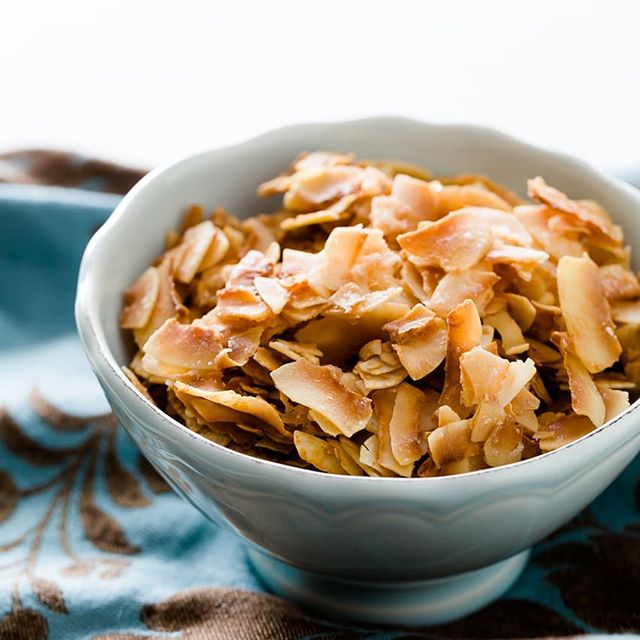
(408, 551)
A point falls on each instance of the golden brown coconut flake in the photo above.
(320, 388)
(586, 311)
(457, 241)
(140, 299)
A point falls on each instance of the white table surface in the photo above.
(144, 81)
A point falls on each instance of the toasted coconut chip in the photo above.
(253, 406)
(419, 339)
(540, 191)
(523, 259)
(196, 242)
(319, 185)
(334, 213)
(415, 320)
(456, 242)
(505, 227)
(140, 299)
(521, 310)
(453, 197)
(409, 425)
(369, 457)
(241, 304)
(335, 262)
(412, 281)
(487, 416)
(376, 264)
(525, 401)
(613, 381)
(416, 195)
(619, 283)
(296, 262)
(242, 346)
(482, 375)
(504, 445)
(536, 219)
(167, 305)
(318, 452)
(513, 342)
(627, 311)
(473, 463)
(421, 353)
(464, 331)
(379, 367)
(320, 389)
(392, 216)
(193, 216)
(384, 402)
(314, 159)
(586, 312)
(352, 451)
(252, 264)
(297, 350)
(216, 252)
(524, 406)
(458, 286)
(261, 234)
(585, 397)
(615, 402)
(190, 346)
(272, 293)
(352, 467)
(562, 431)
(446, 415)
(518, 377)
(276, 185)
(158, 372)
(450, 442)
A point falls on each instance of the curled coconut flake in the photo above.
(540, 191)
(319, 388)
(586, 399)
(586, 312)
(457, 286)
(464, 331)
(410, 424)
(619, 283)
(195, 243)
(318, 453)
(626, 311)
(419, 338)
(140, 299)
(455, 242)
(190, 346)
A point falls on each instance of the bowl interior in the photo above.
(134, 235)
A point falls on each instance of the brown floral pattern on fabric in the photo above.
(225, 614)
(73, 466)
(65, 170)
(215, 613)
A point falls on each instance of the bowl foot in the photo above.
(416, 603)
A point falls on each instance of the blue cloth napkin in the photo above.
(93, 544)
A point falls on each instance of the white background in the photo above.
(144, 81)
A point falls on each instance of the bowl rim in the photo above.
(104, 363)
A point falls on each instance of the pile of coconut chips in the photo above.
(384, 323)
